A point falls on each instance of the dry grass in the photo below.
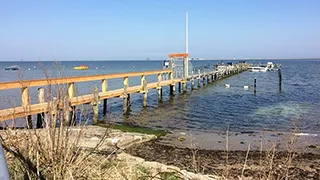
(54, 151)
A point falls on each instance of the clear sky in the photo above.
(137, 29)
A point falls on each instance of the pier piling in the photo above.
(172, 86)
(125, 94)
(104, 88)
(185, 74)
(255, 86)
(204, 78)
(192, 80)
(212, 78)
(199, 76)
(95, 105)
(280, 80)
(159, 88)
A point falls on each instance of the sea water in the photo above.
(210, 108)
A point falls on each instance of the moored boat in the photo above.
(81, 67)
(12, 68)
(270, 65)
(258, 69)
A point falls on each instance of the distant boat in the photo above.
(12, 68)
(81, 67)
(258, 69)
(270, 65)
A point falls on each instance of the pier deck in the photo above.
(53, 105)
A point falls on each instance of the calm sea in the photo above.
(211, 108)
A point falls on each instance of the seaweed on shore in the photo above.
(134, 128)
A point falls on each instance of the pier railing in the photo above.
(70, 100)
(26, 109)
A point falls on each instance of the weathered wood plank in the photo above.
(74, 79)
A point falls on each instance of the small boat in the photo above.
(258, 69)
(12, 68)
(81, 67)
(270, 65)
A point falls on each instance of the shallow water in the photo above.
(211, 108)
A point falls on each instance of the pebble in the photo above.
(181, 138)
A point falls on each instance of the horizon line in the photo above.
(194, 59)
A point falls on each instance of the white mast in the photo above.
(187, 43)
(187, 32)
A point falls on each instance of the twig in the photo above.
(245, 162)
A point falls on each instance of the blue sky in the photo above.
(137, 29)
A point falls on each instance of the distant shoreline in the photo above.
(239, 59)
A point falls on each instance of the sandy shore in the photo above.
(302, 142)
(283, 155)
(272, 155)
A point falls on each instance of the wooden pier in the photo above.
(26, 109)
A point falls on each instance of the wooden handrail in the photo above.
(74, 79)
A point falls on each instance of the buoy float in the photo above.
(227, 85)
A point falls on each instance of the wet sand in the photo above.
(302, 142)
(207, 154)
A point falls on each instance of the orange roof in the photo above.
(184, 55)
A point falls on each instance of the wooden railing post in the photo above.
(192, 80)
(70, 110)
(125, 94)
(95, 105)
(172, 86)
(104, 87)
(26, 105)
(199, 78)
(211, 78)
(204, 78)
(54, 113)
(71, 90)
(40, 116)
(143, 77)
(145, 93)
(159, 86)
(185, 73)
(144, 89)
